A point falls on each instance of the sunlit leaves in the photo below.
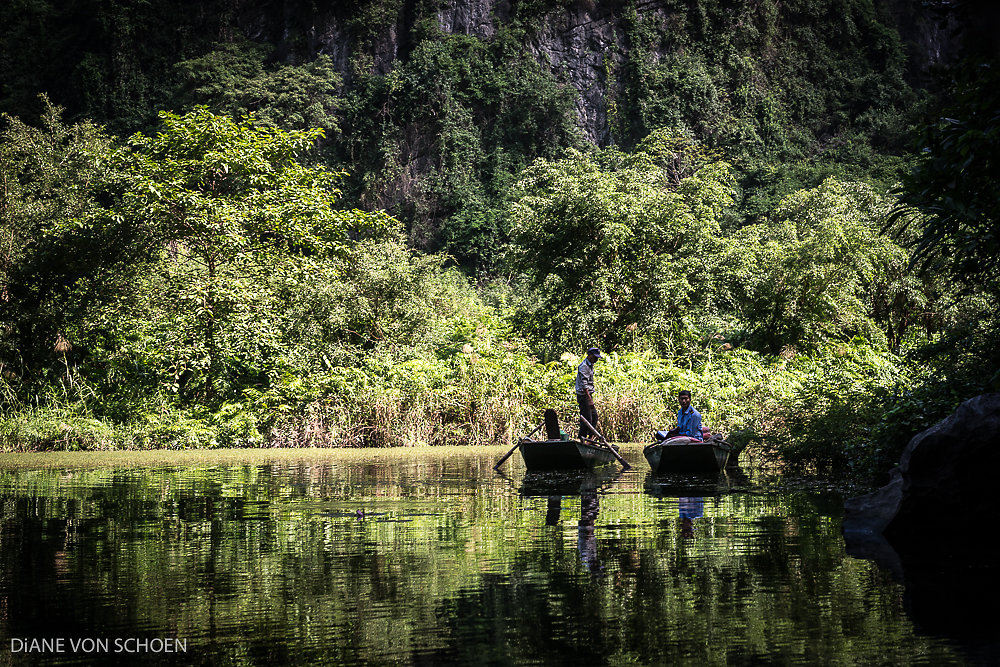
(819, 269)
(606, 247)
(234, 79)
(48, 176)
(226, 203)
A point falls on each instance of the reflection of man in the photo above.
(586, 541)
(690, 509)
(688, 419)
(552, 510)
(585, 390)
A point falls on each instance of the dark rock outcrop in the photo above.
(944, 477)
(930, 526)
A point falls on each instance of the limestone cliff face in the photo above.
(474, 17)
(582, 43)
(930, 38)
(579, 44)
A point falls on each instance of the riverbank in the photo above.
(829, 410)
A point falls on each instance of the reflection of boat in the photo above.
(566, 482)
(680, 485)
(558, 452)
(555, 485)
(684, 455)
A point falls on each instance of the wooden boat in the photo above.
(564, 454)
(676, 455)
(558, 452)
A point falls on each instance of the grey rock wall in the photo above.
(478, 18)
(582, 44)
(581, 47)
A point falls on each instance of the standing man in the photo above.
(688, 419)
(585, 390)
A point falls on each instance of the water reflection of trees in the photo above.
(272, 563)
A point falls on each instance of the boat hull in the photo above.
(563, 455)
(687, 457)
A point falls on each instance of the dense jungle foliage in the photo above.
(214, 233)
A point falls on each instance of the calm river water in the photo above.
(429, 557)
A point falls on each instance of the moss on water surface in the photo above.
(197, 457)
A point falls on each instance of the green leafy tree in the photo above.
(227, 203)
(384, 296)
(236, 79)
(48, 175)
(952, 196)
(819, 269)
(615, 247)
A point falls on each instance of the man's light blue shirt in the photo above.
(585, 378)
(689, 423)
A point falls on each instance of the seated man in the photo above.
(688, 420)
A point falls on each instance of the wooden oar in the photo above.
(514, 448)
(625, 465)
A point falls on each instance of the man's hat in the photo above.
(596, 351)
